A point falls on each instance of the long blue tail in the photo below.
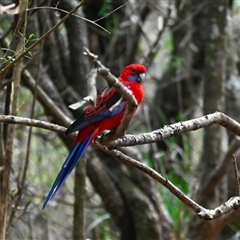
(67, 168)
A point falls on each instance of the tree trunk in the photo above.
(215, 138)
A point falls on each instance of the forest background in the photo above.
(191, 51)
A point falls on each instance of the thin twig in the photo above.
(75, 15)
(126, 94)
(114, 10)
(21, 183)
(235, 167)
(114, 82)
(44, 36)
(207, 214)
(129, 112)
(93, 58)
(11, 131)
(32, 122)
(12, 48)
(154, 48)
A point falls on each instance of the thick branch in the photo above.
(144, 138)
(231, 204)
(207, 214)
(179, 128)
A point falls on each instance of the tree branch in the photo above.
(32, 122)
(207, 214)
(126, 94)
(220, 118)
(179, 128)
(11, 64)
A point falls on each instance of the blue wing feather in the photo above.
(105, 101)
(67, 168)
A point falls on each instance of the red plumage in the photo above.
(106, 94)
(106, 115)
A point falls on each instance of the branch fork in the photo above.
(232, 204)
(146, 138)
(125, 92)
(207, 214)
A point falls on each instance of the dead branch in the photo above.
(131, 107)
(126, 94)
(75, 15)
(179, 128)
(32, 122)
(143, 138)
(207, 214)
(232, 204)
(11, 64)
(10, 132)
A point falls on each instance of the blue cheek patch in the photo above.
(133, 78)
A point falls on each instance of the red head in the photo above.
(133, 73)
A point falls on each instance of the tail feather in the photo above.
(67, 167)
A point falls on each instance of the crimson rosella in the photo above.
(106, 115)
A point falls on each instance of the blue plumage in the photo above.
(113, 106)
(67, 168)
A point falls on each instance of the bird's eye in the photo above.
(134, 70)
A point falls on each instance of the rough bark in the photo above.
(215, 139)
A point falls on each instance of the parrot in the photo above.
(106, 114)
